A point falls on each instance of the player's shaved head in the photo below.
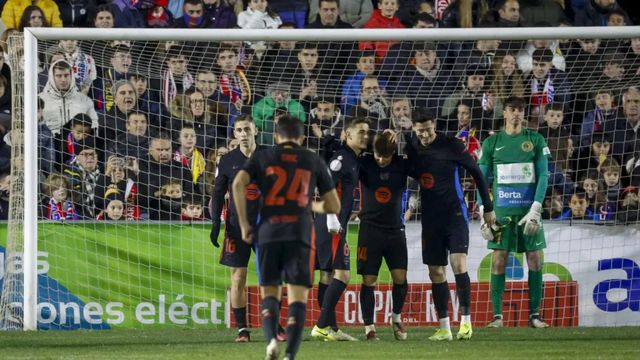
(289, 127)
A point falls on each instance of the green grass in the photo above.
(508, 343)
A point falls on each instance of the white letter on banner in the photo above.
(161, 309)
(378, 304)
(144, 309)
(43, 265)
(92, 313)
(174, 312)
(53, 313)
(75, 310)
(431, 309)
(214, 311)
(194, 313)
(455, 303)
(388, 306)
(350, 316)
(113, 309)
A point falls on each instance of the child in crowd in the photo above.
(114, 206)
(601, 119)
(590, 183)
(60, 207)
(188, 154)
(170, 198)
(192, 208)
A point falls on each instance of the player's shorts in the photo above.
(235, 252)
(288, 261)
(513, 239)
(375, 243)
(332, 251)
(444, 236)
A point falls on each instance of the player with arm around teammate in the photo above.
(287, 176)
(436, 160)
(383, 178)
(517, 158)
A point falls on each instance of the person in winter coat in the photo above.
(383, 18)
(354, 12)
(77, 13)
(126, 14)
(259, 16)
(13, 10)
(62, 99)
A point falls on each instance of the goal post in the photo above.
(27, 114)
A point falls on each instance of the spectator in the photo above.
(583, 60)
(46, 146)
(118, 69)
(192, 208)
(169, 199)
(506, 79)
(114, 122)
(632, 58)
(120, 177)
(546, 85)
(206, 82)
(483, 53)
(354, 12)
(59, 207)
(610, 172)
(126, 14)
(525, 56)
(409, 9)
(175, 77)
(259, 16)
(135, 142)
(383, 18)
(190, 157)
(466, 130)
(264, 111)
(18, 14)
(219, 14)
(595, 12)
(114, 206)
(207, 117)
(578, 207)
(193, 16)
(32, 17)
(234, 90)
(83, 176)
(104, 18)
(591, 156)
(602, 118)
(508, 13)
(401, 121)
(148, 96)
(158, 16)
(62, 99)
(292, 11)
(629, 210)
(5, 96)
(560, 143)
(83, 65)
(328, 17)
(308, 82)
(617, 17)
(372, 104)
(553, 205)
(366, 66)
(541, 11)
(325, 119)
(76, 13)
(211, 168)
(627, 133)
(590, 182)
(79, 129)
(464, 13)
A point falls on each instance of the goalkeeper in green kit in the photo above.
(517, 158)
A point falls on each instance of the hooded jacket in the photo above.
(60, 107)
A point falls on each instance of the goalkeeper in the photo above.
(517, 158)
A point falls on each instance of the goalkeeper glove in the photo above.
(213, 236)
(333, 224)
(485, 229)
(531, 221)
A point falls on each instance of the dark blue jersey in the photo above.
(227, 170)
(382, 189)
(287, 176)
(437, 168)
(344, 168)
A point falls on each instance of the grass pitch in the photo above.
(507, 343)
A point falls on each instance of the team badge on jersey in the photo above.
(336, 164)
(384, 176)
(527, 146)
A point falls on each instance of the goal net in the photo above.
(129, 129)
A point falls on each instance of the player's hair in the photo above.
(580, 193)
(556, 106)
(382, 144)
(54, 182)
(422, 115)
(514, 102)
(355, 121)
(289, 127)
(243, 117)
(610, 165)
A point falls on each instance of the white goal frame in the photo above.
(33, 35)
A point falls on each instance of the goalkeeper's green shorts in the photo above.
(510, 237)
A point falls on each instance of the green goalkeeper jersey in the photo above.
(519, 167)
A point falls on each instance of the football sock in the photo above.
(399, 294)
(463, 287)
(240, 314)
(295, 326)
(535, 291)
(444, 323)
(322, 289)
(331, 297)
(497, 292)
(270, 316)
(441, 299)
(367, 302)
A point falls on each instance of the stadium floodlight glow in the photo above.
(33, 37)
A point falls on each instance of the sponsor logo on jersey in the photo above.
(426, 180)
(519, 196)
(516, 173)
(252, 193)
(382, 195)
(527, 146)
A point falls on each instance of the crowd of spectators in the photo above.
(134, 130)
